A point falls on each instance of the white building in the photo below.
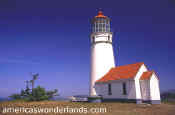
(133, 82)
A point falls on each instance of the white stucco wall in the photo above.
(131, 90)
(154, 86)
(145, 89)
(101, 89)
(117, 89)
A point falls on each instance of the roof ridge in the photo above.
(131, 64)
(149, 71)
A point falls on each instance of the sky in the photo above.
(52, 38)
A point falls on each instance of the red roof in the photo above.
(100, 15)
(146, 75)
(121, 72)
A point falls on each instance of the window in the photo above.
(93, 39)
(124, 88)
(107, 27)
(100, 29)
(108, 38)
(100, 25)
(109, 89)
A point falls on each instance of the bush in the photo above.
(15, 96)
(168, 95)
(37, 94)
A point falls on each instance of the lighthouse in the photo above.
(102, 57)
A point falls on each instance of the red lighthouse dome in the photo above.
(100, 15)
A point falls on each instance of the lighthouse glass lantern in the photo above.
(101, 23)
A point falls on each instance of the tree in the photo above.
(53, 93)
(27, 84)
(34, 77)
(36, 94)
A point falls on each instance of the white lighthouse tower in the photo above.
(102, 57)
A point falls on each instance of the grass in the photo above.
(112, 108)
(169, 101)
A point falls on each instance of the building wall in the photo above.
(131, 92)
(117, 90)
(145, 89)
(154, 86)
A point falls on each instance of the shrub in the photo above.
(37, 94)
(15, 96)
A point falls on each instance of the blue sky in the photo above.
(52, 38)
